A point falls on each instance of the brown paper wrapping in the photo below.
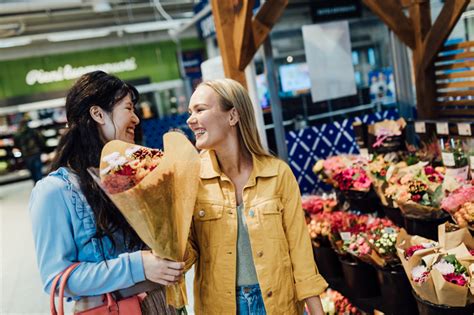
(160, 207)
(425, 290)
(418, 211)
(448, 293)
(449, 240)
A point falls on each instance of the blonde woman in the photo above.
(249, 237)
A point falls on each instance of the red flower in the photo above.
(456, 279)
(126, 170)
(412, 249)
(471, 251)
(429, 170)
(416, 198)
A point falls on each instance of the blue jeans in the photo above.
(250, 301)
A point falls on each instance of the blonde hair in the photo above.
(233, 95)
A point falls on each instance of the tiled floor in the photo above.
(21, 290)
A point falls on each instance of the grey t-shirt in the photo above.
(246, 274)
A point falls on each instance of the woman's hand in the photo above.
(314, 305)
(161, 271)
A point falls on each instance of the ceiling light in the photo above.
(153, 26)
(14, 42)
(77, 35)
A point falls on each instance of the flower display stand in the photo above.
(427, 228)
(427, 308)
(360, 279)
(328, 263)
(394, 214)
(396, 292)
(363, 202)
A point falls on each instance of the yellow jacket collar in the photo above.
(262, 166)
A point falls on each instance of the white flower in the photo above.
(418, 272)
(129, 152)
(429, 244)
(110, 157)
(444, 267)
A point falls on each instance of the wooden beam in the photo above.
(455, 75)
(460, 56)
(391, 12)
(420, 14)
(457, 65)
(459, 46)
(456, 93)
(262, 23)
(243, 42)
(441, 29)
(223, 12)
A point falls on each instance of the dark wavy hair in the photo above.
(80, 148)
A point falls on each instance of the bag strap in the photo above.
(112, 305)
(66, 272)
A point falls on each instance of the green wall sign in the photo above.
(156, 62)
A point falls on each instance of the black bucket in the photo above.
(396, 292)
(427, 308)
(360, 279)
(363, 202)
(328, 263)
(395, 215)
(427, 228)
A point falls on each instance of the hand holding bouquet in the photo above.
(156, 192)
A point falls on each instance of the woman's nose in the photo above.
(136, 120)
(191, 120)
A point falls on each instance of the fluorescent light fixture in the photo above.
(77, 35)
(14, 42)
(153, 26)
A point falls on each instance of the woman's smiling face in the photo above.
(207, 120)
(121, 123)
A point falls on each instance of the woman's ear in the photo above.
(234, 117)
(97, 114)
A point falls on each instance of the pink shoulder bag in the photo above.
(128, 306)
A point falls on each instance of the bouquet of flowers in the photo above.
(386, 136)
(353, 178)
(360, 247)
(329, 168)
(450, 278)
(460, 204)
(319, 228)
(418, 191)
(417, 255)
(313, 204)
(334, 303)
(156, 192)
(343, 226)
(380, 170)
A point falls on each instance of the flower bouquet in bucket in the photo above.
(156, 192)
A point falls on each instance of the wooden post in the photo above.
(239, 34)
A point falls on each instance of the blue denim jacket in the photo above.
(63, 230)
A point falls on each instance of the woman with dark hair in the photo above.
(74, 221)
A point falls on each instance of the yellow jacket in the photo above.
(278, 235)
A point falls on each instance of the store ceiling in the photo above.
(37, 17)
(34, 24)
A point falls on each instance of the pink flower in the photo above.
(456, 279)
(429, 170)
(412, 249)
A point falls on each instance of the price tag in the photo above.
(389, 230)
(442, 128)
(346, 236)
(420, 127)
(364, 152)
(448, 159)
(471, 160)
(464, 129)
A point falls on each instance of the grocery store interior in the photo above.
(380, 89)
